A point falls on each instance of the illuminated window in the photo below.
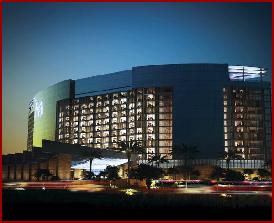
(75, 141)
(122, 138)
(115, 102)
(131, 105)
(123, 119)
(151, 117)
(123, 132)
(129, 121)
(123, 101)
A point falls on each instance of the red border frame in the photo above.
(115, 221)
(137, 1)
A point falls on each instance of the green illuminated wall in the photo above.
(45, 110)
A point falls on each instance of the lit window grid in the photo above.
(244, 120)
(142, 114)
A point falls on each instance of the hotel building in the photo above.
(215, 107)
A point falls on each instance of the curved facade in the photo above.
(42, 112)
(208, 105)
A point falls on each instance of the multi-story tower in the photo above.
(247, 114)
(215, 107)
(143, 115)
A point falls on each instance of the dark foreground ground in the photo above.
(66, 205)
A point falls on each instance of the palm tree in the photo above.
(144, 171)
(188, 154)
(158, 159)
(111, 172)
(91, 154)
(130, 148)
(218, 173)
(229, 155)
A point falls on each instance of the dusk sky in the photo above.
(44, 43)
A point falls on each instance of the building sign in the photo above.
(37, 107)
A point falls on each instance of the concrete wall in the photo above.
(12, 172)
(19, 171)
(5, 172)
(78, 173)
(53, 165)
(58, 165)
(34, 168)
(26, 172)
(43, 165)
(64, 164)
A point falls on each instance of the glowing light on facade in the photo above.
(38, 108)
(98, 164)
(245, 72)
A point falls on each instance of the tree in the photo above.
(248, 172)
(187, 153)
(264, 174)
(229, 155)
(93, 154)
(89, 175)
(102, 174)
(218, 173)
(158, 159)
(89, 154)
(173, 171)
(232, 175)
(255, 178)
(43, 174)
(111, 172)
(144, 171)
(130, 148)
